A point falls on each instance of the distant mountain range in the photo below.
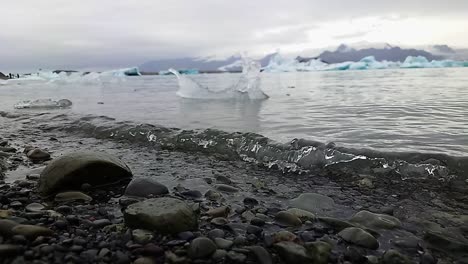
(204, 65)
(343, 53)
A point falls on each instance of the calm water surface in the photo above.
(390, 110)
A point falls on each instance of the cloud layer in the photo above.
(112, 33)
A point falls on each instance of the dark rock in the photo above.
(213, 195)
(7, 250)
(101, 223)
(219, 221)
(38, 155)
(250, 201)
(76, 248)
(293, 253)
(152, 250)
(226, 188)
(215, 233)
(335, 223)
(69, 172)
(89, 255)
(257, 221)
(319, 251)
(192, 194)
(262, 256)
(359, 237)
(303, 215)
(236, 257)
(165, 215)
(375, 221)
(284, 235)
(223, 179)
(16, 204)
(64, 209)
(6, 227)
(72, 196)
(287, 219)
(219, 255)
(223, 243)
(32, 231)
(145, 187)
(446, 243)
(145, 260)
(395, 257)
(313, 202)
(427, 258)
(19, 239)
(201, 247)
(251, 229)
(121, 258)
(60, 224)
(187, 235)
(222, 211)
(240, 240)
(355, 255)
(126, 201)
(142, 236)
(34, 207)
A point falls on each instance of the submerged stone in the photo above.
(287, 219)
(32, 231)
(291, 252)
(375, 221)
(226, 188)
(164, 215)
(394, 257)
(201, 247)
(144, 187)
(38, 155)
(446, 243)
(72, 196)
(319, 251)
(359, 237)
(312, 202)
(71, 171)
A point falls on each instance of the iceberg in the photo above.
(134, 71)
(76, 76)
(280, 64)
(43, 104)
(246, 86)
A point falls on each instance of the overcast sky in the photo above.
(115, 33)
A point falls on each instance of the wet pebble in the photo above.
(201, 247)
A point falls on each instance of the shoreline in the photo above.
(422, 208)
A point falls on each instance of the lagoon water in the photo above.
(422, 110)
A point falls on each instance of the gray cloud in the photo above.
(113, 33)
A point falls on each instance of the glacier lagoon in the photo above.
(389, 110)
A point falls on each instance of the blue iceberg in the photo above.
(280, 64)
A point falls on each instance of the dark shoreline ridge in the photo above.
(355, 209)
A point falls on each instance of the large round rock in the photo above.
(164, 215)
(70, 171)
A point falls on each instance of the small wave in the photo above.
(298, 155)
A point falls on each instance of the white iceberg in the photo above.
(43, 104)
(246, 86)
(279, 64)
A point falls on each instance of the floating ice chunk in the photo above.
(43, 104)
(247, 86)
